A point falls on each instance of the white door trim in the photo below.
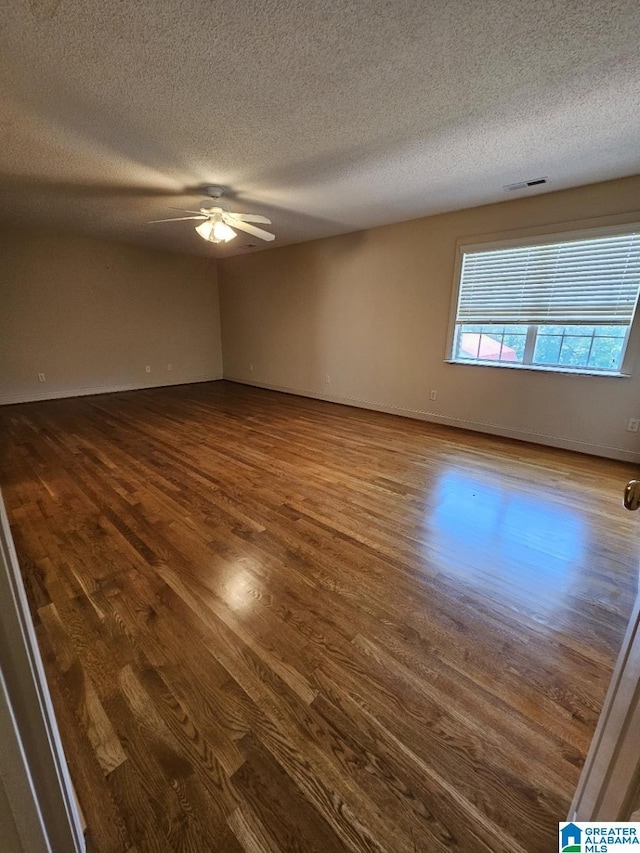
(610, 780)
(42, 765)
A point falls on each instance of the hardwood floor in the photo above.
(275, 624)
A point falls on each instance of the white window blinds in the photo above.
(581, 282)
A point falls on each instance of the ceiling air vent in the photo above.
(523, 185)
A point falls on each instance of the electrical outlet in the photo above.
(633, 425)
(42, 377)
(433, 395)
(250, 368)
(148, 368)
(327, 380)
(169, 367)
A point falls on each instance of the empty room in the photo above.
(319, 412)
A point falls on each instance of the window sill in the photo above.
(567, 371)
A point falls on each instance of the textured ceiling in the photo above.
(328, 117)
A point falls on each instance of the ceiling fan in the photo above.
(219, 225)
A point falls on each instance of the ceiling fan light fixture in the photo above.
(205, 229)
(222, 232)
(215, 231)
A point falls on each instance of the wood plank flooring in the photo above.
(276, 624)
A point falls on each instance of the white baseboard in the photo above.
(35, 396)
(618, 453)
(608, 452)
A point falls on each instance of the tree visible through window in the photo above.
(555, 306)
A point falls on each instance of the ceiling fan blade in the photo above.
(250, 217)
(250, 229)
(177, 219)
(184, 210)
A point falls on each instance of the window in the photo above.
(561, 306)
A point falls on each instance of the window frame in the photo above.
(534, 237)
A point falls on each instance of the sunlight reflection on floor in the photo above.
(530, 542)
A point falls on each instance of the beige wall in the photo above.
(371, 310)
(91, 314)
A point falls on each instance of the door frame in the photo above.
(610, 782)
(41, 795)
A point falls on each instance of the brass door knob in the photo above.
(632, 495)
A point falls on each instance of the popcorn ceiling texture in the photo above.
(329, 117)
